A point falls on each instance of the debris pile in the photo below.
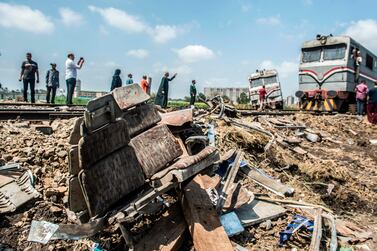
(128, 176)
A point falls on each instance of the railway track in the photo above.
(38, 114)
(18, 104)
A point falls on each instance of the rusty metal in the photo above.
(129, 96)
(176, 118)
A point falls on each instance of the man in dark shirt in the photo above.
(29, 69)
(192, 93)
(372, 104)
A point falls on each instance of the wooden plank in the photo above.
(268, 183)
(166, 234)
(228, 185)
(204, 225)
(315, 243)
(258, 211)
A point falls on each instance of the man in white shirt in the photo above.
(71, 75)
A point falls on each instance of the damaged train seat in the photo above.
(123, 159)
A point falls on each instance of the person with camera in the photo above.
(71, 75)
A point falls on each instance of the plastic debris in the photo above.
(42, 231)
(299, 222)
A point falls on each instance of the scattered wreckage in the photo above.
(128, 160)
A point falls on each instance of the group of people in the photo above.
(368, 97)
(117, 81)
(163, 90)
(30, 76)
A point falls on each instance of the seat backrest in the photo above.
(93, 147)
(109, 180)
(101, 111)
(155, 149)
(141, 118)
(129, 96)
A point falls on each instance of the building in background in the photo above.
(78, 93)
(232, 93)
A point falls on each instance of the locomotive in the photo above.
(329, 71)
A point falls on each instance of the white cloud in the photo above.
(163, 33)
(269, 20)
(124, 21)
(120, 19)
(365, 32)
(24, 18)
(194, 53)
(139, 53)
(285, 69)
(70, 17)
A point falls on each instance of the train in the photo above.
(329, 73)
(269, 79)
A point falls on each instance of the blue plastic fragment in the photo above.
(231, 224)
(298, 223)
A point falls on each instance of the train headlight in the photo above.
(332, 94)
(300, 94)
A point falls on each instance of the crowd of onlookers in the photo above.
(30, 76)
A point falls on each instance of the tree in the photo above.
(243, 99)
(226, 98)
(187, 99)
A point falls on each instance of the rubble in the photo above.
(296, 164)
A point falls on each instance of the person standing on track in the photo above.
(262, 96)
(372, 104)
(52, 83)
(361, 95)
(29, 69)
(71, 75)
(144, 84)
(163, 90)
(192, 93)
(117, 81)
(129, 81)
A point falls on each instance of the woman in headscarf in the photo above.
(117, 81)
(163, 91)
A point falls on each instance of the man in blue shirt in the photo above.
(372, 104)
(129, 80)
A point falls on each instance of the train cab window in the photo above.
(369, 61)
(334, 52)
(270, 80)
(257, 82)
(311, 55)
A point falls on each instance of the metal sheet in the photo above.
(176, 118)
(129, 95)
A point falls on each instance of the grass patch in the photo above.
(75, 101)
(199, 105)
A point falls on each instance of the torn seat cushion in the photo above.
(141, 118)
(155, 149)
(94, 147)
(110, 180)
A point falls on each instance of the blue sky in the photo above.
(218, 43)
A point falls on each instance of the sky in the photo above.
(218, 43)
